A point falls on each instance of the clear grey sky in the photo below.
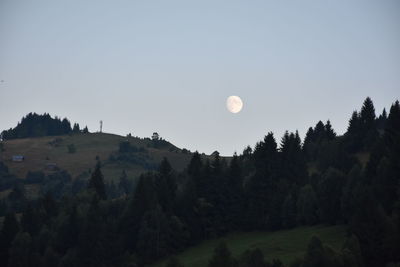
(168, 66)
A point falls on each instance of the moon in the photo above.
(234, 104)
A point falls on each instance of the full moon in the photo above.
(234, 104)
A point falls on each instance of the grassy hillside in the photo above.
(285, 245)
(39, 152)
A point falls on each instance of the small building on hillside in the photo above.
(51, 167)
(18, 158)
(155, 136)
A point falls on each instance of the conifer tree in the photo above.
(235, 193)
(21, 251)
(329, 195)
(222, 257)
(289, 212)
(315, 253)
(7, 235)
(252, 258)
(195, 165)
(367, 114)
(329, 132)
(96, 182)
(124, 184)
(262, 184)
(76, 128)
(30, 220)
(174, 262)
(153, 235)
(293, 165)
(319, 131)
(354, 124)
(166, 186)
(144, 200)
(307, 206)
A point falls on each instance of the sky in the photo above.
(168, 66)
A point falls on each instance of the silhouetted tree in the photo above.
(96, 182)
(307, 204)
(252, 258)
(21, 251)
(76, 128)
(289, 212)
(7, 235)
(174, 262)
(222, 257)
(124, 185)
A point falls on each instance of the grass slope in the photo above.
(285, 245)
(38, 152)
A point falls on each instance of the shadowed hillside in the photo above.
(42, 152)
(286, 245)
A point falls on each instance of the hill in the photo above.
(40, 152)
(250, 200)
(285, 245)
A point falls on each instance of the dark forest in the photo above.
(278, 184)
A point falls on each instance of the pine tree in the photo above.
(329, 132)
(234, 194)
(368, 125)
(96, 182)
(293, 165)
(30, 221)
(68, 231)
(367, 114)
(308, 144)
(354, 124)
(144, 200)
(76, 128)
(9, 230)
(49, 205)
(262, 184)
(347, 201)
(21, 251)
(195, 165)
(329, 195)
(319, 131)
(289, 212)
(65, 126)
(252, 258)
(166, 186)
(307, 206)
(222, 257)
(7, 235)
(50, 258)
(174, 262)
(153, 235)
(354, 134)
(315, 253)
(381, 121)
(351, 251)
(124, 184)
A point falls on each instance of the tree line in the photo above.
(35, 125)
(326, 179)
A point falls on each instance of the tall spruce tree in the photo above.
(166, 187)
(124, 186)
(7, 234)
(222, 257)
(96, 182)
(261, 185)
(367, 114)
(144, 200)
(307, 205)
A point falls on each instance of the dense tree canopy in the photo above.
(35, 125)
(331, 179)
